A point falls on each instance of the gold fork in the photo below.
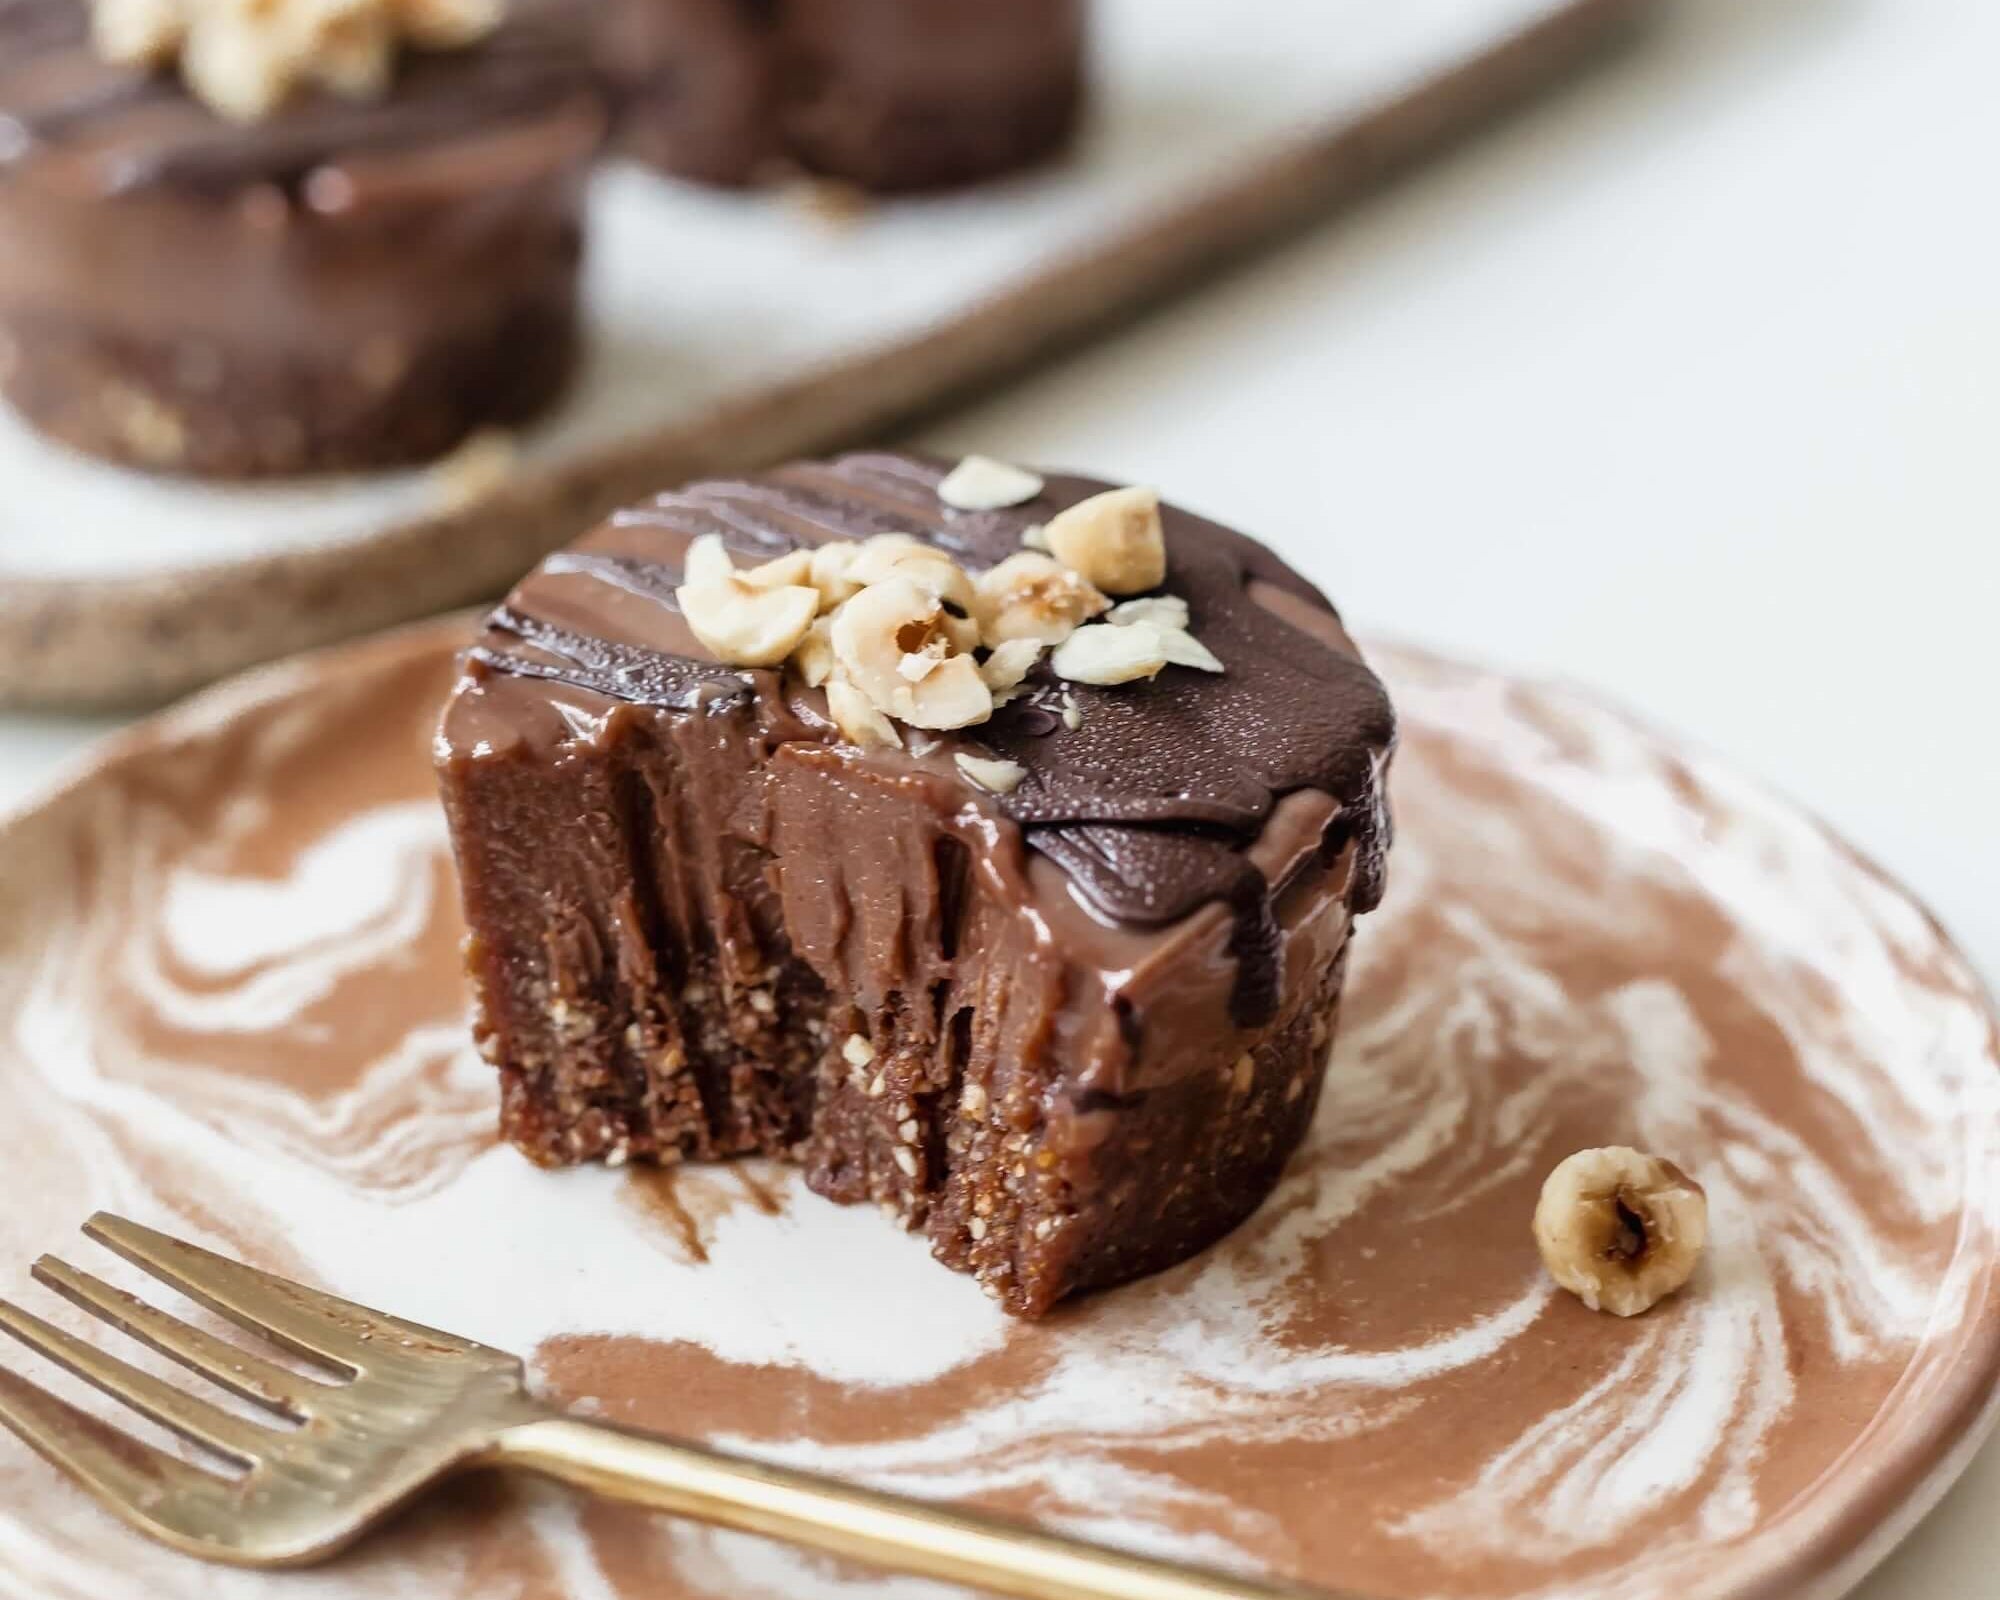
(404, 1406)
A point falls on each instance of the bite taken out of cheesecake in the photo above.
(988, 844)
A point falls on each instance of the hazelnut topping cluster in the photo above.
(899, 634)
(243, 58)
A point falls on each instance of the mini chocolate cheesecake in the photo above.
(840, 816)
(887, 94)
(328, 280)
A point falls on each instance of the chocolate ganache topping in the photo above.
(1148, 799)
(101, 127)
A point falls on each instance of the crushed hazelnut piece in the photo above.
(996, 777)
(1163, 611)
(1033, 596)
(829, 566)
(856, 1051)
(814, 656)
(977, 1228)
(963, 632)
(745, 626)
(973, 1101)
(856, 716)
(1183, 649)
(244, 60)
(354, 52)
(829, 203)
(979, 483)
(873, 557)
(1072, 713)
(1114, 539)
(1619, 1229)
(1008, 666)
(790, 570)
(1035, 537)
(137, 33)
(889, 620)
(153, 431)
(1104, 655)
(447, 24)
(952, 695)
(240, 71)
(906, 1162)
(935, 573)
(477, 468)
(707, 561)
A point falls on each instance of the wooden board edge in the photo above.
(80, 644)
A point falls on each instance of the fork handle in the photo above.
(865, 1525)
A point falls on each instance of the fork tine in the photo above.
(205, 1424)
(320, 1327)
(120, 1470)
(237, 1370)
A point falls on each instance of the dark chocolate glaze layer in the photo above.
(1150, 805)
(115, 128)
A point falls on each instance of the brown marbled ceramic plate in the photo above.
(231, 1007)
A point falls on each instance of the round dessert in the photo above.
(841, 816)
(887, 94)
(241, 275)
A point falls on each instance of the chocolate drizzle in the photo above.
(606, 667)
(1151, 803)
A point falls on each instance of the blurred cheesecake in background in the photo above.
(886, 94)
(308, 236)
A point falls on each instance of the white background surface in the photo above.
(1687, 384)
